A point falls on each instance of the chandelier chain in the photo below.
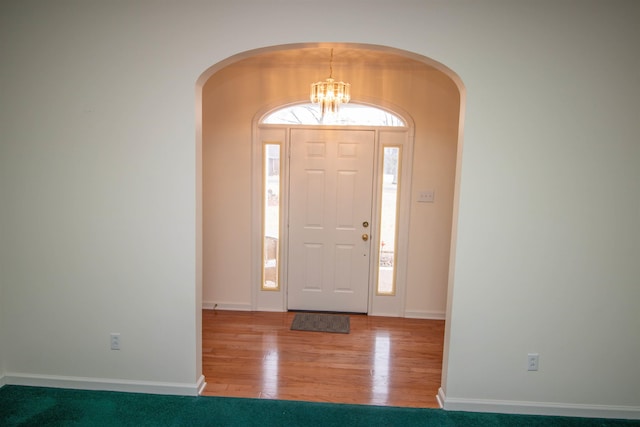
(331, 65)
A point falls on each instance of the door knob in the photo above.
(365, 237)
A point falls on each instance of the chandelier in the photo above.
(329, 93)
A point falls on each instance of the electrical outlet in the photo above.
(532, 361)
(115, 341)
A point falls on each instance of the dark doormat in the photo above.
(321, 322)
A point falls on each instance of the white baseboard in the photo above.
(2, 381)
(440, 397)
(430, 315)
(538, 408)
(271, 310)
(212, 305)
(103, 384)
(201, 384)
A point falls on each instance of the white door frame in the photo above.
(263, 300)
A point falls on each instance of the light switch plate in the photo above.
(426, 196)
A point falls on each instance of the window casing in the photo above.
(388, 269)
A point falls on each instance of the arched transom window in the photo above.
(349, 115)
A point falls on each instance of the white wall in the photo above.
(547, 249)
(2, 300)
(98, 178)
(2, 340)
(98, 165)
(231, 99)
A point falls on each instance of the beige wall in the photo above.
(231, 99)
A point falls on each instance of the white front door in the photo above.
(330, 199)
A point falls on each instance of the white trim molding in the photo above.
(104, 384)
(430, 315)
(537, 408)
(201, 384)
(212, 305)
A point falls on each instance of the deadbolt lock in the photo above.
(365, 224)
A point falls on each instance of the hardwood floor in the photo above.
(382, 361)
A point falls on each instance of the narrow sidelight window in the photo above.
(271, 217)
(389, 192)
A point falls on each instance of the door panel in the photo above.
(331, 181)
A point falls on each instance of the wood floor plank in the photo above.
(382, 361)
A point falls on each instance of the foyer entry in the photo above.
(330, 217)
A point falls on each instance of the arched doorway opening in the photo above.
(232, 91)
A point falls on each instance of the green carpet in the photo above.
(37, 406)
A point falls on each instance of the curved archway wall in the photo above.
(279, 75)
